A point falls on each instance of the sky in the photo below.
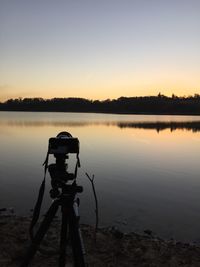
(99, 49)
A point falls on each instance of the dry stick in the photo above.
(96, 201)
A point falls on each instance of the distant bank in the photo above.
(160, 104)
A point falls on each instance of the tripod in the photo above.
(66, 199)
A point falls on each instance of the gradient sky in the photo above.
(99, 49)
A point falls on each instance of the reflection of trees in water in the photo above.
(159, 126)
(24, 123)
(193, 126)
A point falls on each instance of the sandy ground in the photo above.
(111, 248)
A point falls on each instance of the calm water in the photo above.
(147, 168)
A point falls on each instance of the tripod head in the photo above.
(61, 146)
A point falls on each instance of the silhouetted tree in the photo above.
(159, 104)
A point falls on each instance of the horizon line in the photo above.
(102, 100)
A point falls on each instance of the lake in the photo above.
(147, 168)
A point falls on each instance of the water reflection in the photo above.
(143, 179)
(193, 126)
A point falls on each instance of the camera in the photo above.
(63, 144)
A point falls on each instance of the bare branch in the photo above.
(96, 201)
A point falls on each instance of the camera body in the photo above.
(63, 144)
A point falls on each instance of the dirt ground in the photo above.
(111, 248)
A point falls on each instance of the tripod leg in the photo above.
(63, 237)
(40, 233)
(76, 240)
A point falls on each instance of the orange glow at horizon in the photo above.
(116, 85)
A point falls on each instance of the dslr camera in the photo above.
(63, 144)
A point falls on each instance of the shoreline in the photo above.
(112, 247)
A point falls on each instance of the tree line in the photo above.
(159, 104)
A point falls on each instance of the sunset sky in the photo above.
(99, 49)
